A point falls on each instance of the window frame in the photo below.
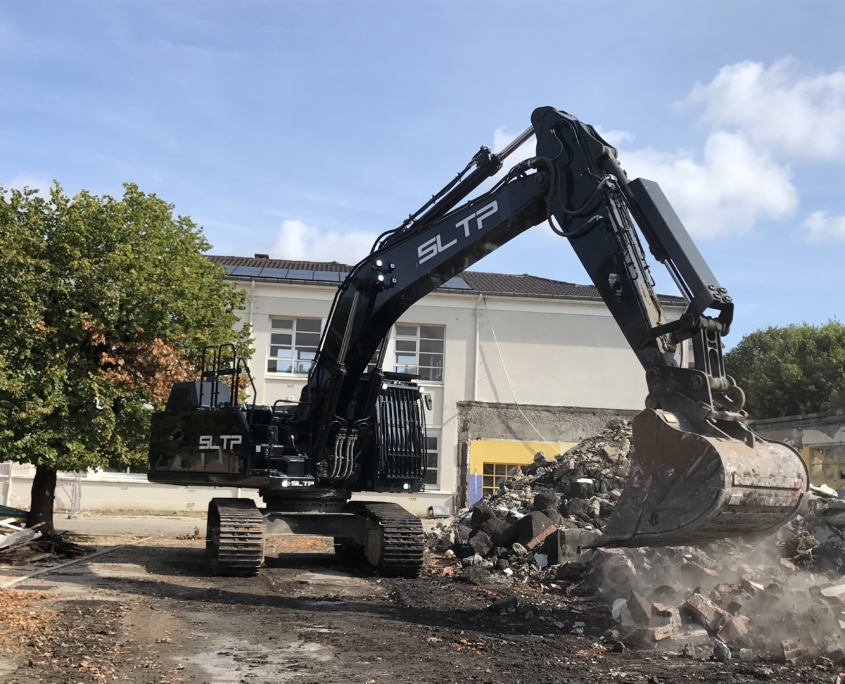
(497, 483)
(398, 339)
(433, 486)
(294, 332)
(826, 458)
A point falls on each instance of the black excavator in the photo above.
(699, 473)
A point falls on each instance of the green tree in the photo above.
(104, 303)
(791, 370)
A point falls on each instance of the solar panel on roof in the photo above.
(274, 273)
(331, 276)
(229, 269)
(296, 274)
(456, 283)
(249, 271)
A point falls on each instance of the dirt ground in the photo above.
(151, 613)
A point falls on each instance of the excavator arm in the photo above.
(699, 472)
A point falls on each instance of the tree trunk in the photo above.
(43, 494)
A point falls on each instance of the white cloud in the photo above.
(24, 180)
(777, 107)
(822, 227)
(502, 138)
(299, 241)
(614, 137)
(730, 189)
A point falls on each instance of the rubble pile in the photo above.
(545, 513)
(782, 597)
(729, 599)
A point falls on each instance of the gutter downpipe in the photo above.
(251, 299)
(477, 344)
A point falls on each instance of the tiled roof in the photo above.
(469, 281)
(525, 284)
(281, 263)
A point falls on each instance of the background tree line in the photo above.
(787, 371)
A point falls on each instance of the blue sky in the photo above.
(303, 129)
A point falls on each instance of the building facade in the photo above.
(502, 346)
(820, 437)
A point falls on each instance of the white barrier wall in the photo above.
(107, 491)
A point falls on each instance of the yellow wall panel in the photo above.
(506, 451)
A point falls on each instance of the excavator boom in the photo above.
(699, 471)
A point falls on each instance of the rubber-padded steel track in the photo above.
(234, 537)
(400, 553)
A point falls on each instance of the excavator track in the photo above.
(395, 541)
(234, 537)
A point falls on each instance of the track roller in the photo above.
(234, 537)
(395, 540)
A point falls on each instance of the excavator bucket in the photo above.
(687, 488)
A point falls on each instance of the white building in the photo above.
(515, 364)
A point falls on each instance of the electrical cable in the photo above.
(510, 386)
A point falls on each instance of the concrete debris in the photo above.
(749, 599)
(550, 509)
(619, 611)
(706, 613)
(790, 650)
(720, 650)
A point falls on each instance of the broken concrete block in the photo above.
(571, 571)
(519, 549)
(835, 652)
(746, 654)
(663, 594)
(788, 565)
(619, 610)
(533, 529)
(721, 651)
(567, 545)
(790, 650)
(834, 591)
(734, 607)
(582, 488)
(481, 513)
(639, 608)
(615, 576)
(735, 629)
(664, 615)
(545, 500)
(688, 637)
(751, 587)
(481, 544)
(500, 532)
(706, 613)
(648, 637)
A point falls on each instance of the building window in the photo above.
(419, 351)
(827, 465)
(432, 456)
(293, 344)
(495, 474)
